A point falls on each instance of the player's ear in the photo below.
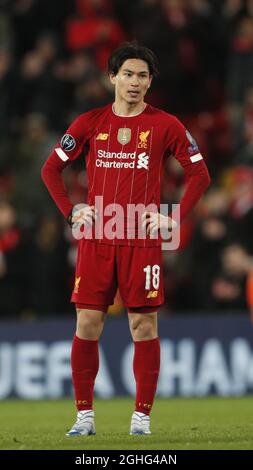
(150, 81)
(112, 78)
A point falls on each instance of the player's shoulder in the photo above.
(164, 117)
(93, 114)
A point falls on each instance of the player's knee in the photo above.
(143, 329)
(89, 326)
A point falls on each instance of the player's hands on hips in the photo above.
(85, 216)
(154, 221)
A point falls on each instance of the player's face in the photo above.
(132, 81)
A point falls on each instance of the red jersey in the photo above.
(124, 160)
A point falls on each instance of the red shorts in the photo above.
(102, 268)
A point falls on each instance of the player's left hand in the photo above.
(154, 221)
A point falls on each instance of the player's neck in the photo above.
(126, 109)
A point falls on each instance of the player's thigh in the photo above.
(140, 276)
(95, 280)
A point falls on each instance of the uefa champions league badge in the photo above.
(68, 142)
(194, 146)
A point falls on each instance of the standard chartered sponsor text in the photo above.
(115, 157)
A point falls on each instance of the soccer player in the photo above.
(125, 145)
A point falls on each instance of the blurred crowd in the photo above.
(53, 67)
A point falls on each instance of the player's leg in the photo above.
(90, 321)
(94, 290)
(85, 356)
(142, 292)
(146, 366)
(85, 364)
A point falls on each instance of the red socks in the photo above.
(84, 363)
(146, 367)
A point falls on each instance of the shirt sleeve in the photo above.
(182, 145)
(65, 151)
(184, 148)
(73, 141)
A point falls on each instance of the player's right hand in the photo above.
(85, 215)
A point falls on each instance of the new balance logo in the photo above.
(152, 294)
(143, 161)
(102, 136)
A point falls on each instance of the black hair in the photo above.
(132, 50)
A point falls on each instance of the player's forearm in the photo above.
(197, 182)
(51, 175)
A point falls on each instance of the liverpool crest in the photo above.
(124, 135)
(77, 282)
(143, 137)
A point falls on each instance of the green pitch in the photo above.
(200, 423)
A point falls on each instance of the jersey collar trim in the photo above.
(127, 116)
